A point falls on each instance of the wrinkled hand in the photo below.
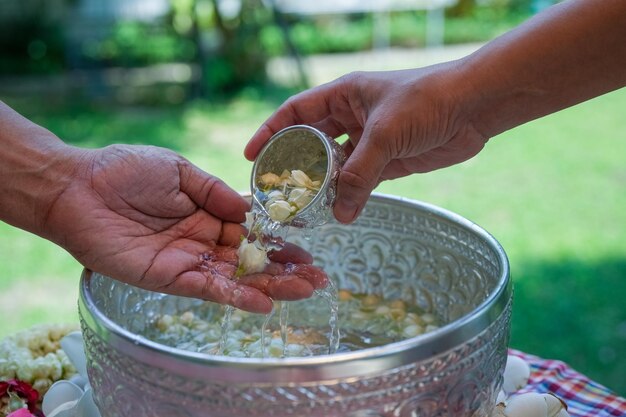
(148, 217)
(398, 123)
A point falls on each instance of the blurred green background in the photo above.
(199, 78)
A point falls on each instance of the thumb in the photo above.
(358, 178)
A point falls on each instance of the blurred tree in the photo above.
(466, 8)
(239, 58)
(31, 39)
(461, 8)
(227, 42)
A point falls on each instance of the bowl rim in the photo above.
(314, 368)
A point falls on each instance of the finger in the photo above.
(279, 281)
(291, 253)
(289, 288)
(397, 168)
(217, 288)
(206, 274)
(310, 273)
(313, 274)
(251, 299)
(309, 107)
(226, 203)
(274, 268)
(206, 229)
(331, 126)
(263, 134)
(348, 148)
(219, 253)
(232, 233)
(212, 194)
(281, 287)
(358, 178)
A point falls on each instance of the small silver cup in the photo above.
(302, 147)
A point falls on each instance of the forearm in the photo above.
(35, 168)
(572, 52)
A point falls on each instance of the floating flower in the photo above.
(283, 196)
(279, 210)
(300, 179)
(276, 195)
(269, 179)
(301, 197)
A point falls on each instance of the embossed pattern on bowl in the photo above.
(398, 248)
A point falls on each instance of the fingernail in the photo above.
(346, 210)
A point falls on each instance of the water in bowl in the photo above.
(296, 329)
(269, 234)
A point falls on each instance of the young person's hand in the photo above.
(413, 121)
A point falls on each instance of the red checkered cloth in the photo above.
(584, 398)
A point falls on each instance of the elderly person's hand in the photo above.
(143, 215)
(149, 217)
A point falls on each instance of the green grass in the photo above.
(551, 191)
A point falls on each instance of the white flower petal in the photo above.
(276, 195)
(300, 197)
(60, 393)
(86, 407)
(516, 374)
(300, 179)
(67, 409)
(530, 404)
(79, 380)
(251, 258)
(279, 210)
(73, 347)
(269, 179)
(501, 397)
(554, 403)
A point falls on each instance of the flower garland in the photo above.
(18, 395)
(30, 362)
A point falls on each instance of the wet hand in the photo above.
(148, 217)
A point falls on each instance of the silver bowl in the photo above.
(398, 248)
